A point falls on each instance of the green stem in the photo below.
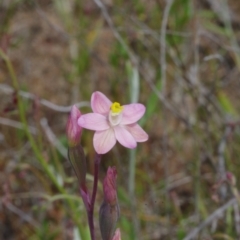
(131, 191)
(32, 141)
(132, 168)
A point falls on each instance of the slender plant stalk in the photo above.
(163, 65)
(132, 168)
(131, 191)
(134, 97)
(94, 192)
(32, 141)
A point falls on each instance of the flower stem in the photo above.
(94, 192)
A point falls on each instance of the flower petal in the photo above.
(124, 137)
(93, 121)
(100, 103)
(137, 132)
(132, 113)
(103, 141)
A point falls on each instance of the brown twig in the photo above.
(221, 169)
(237, 219)
(163, 66)
(16, 124)
(215, 215)
(65, 109)
(116, 34)
(21, 214)
(52, 138)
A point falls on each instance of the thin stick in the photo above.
(163, 44)
(221, 161)
(115, 32)
(237, 219)
(197, 170)
(52, 138)
(21, 214)
(163, 66)
(217, 214)
(164, 101)
(16, 124)
(65, 109)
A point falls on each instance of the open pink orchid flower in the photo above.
(113, 122)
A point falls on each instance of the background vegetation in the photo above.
(181, 58)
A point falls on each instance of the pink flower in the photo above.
(73, 129)
(113, 122)
(109, 186)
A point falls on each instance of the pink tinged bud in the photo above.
(108, 216)
(109, 186)
(109, 210)
(117, 235)
(73, 129)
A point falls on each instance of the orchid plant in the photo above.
(111, 123)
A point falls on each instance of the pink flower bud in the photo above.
(109, 186)
(117, 235)
(109, 210)
(108, 216)
(73, 129)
